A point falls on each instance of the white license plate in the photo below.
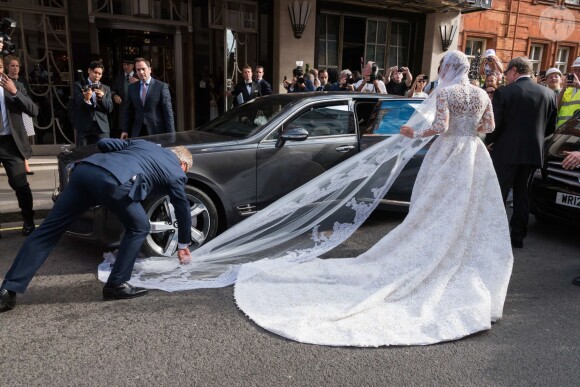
(568, 200)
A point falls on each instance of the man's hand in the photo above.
(124, 136)
(88, 94)
(7, 84)
(572, 160)
(117, 99)
(100, 93)
(184, 256)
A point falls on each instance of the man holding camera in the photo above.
(569, 97)
(93, 102)
(370, 83)
(399, 80)
(345, 82)
(14, 144)
(299, 83)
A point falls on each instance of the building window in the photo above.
(562, 58)
(535, 56)
(399, 44)
(376, 44)
(474, 46)
(328, 28)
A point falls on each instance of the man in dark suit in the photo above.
(14, 144)
(525, 113)
(246, 90)
(149, 108)
(119, 178)
(93, 103)
(119, 91)
(265, 87)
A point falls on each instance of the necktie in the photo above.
(143, 92)
(127, 77)
(1, 117)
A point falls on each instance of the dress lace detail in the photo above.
(440, 275)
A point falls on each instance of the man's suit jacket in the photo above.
(120, 87)
(86, 113)
(16, 105)
(265, 87)
(157, 114)
(525, 113)
(242, 90)
(149, 168)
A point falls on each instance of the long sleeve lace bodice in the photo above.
(462, 110)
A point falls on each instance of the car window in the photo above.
(389, 116)
(325, 120)
(247, 119)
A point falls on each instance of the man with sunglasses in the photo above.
(525, 113)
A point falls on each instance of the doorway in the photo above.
(353, 49)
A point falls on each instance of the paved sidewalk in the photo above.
(42, 183)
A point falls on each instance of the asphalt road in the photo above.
(63, 334)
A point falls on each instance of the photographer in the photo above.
(299, 83)
(92, 104)
(345, 82)
(370, 82)
(399, 80)
(569, 97)
(417, 90)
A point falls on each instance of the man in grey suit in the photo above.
(149, 109)
(119, 178)
(119, 91)
(14, 144)
(93, 103)
(525, 113)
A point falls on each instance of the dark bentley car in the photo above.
(555, 191)
(255, 154)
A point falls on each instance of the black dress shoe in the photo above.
(516, 244)
(28, 227)
(576, 281)
(122, 291)
(7, 300)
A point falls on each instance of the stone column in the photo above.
(288, 49)
(433, 50)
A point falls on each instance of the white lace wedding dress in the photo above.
(440, 275)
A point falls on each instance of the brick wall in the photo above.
(517, 27)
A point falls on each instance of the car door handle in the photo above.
(345, 148)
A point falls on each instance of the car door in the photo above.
(386, 120)
(332, 138)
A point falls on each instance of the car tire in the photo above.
(162, 240)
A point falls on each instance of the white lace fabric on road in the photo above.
(440, 275)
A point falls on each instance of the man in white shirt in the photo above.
(369, 83)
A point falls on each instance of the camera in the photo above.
(349, 79)
(6, 26)
(543, 74)
(570, 78)
(299, 73)
(373, 74)
(83, 81)
(400, 69)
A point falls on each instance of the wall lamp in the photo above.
(299, 12)
(447, 35)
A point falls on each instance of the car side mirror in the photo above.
(295, 133)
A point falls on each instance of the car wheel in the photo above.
(162, 240)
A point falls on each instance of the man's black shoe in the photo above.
(122, 291)
(576, 281)
(517, 244)
(28, 227)
(7, 300)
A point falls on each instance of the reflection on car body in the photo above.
(555, 191)
(255, 154)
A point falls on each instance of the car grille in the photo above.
(555, 172)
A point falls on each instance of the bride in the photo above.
(440, 275)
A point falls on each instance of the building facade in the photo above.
(546, 31)
(198, 47)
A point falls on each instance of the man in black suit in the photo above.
(265, 87)
(525, 113)
(119, 178)
(119, 91)
(93, 103)
(149, 108)
(14, 144)
(246, 90)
